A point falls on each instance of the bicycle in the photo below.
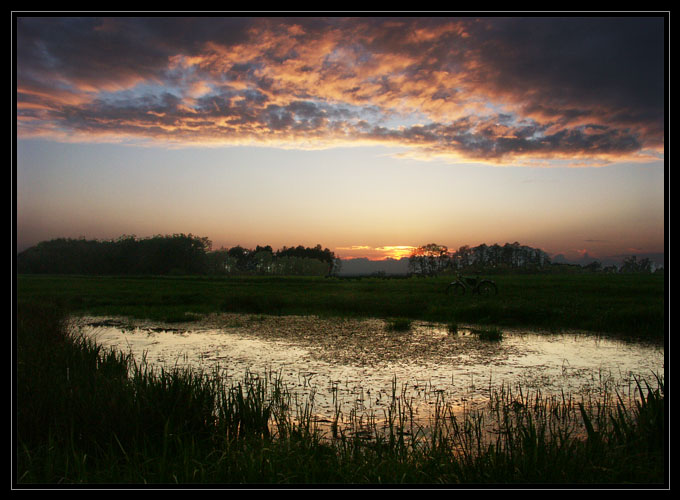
(475, 284)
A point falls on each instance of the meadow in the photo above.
(87, 415)
(619, 304)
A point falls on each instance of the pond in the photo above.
(352, 367)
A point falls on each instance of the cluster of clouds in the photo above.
(503, 90)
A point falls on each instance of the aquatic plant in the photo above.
(398, 324)
(491, 333)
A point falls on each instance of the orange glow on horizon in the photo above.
(374, 253)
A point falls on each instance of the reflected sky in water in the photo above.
(356, 365)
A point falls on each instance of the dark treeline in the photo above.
(176, 254)
(297, 260)
(434, 259)
(181, 254)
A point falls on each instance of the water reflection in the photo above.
(354, 368)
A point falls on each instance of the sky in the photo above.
(367, 135)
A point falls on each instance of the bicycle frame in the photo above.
(476, 284)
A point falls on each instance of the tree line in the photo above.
(299, 260)
(181, 254)
(433, 259)
(176, 254)
(629, 265)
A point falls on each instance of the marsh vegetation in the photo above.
(351, 368)
(92, 412)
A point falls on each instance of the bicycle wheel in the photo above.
(456, 289)
(487, 288)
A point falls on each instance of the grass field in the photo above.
(625, 304)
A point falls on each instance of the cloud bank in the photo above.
(499, 90)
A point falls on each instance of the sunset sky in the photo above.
(366, 135)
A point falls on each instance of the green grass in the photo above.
(87, 415)
(632, 305)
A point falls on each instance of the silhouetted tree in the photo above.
(263, 259)
(217, 261)
(170, 254)
(633, 265)
(178, 253)
(593, 267)
(429, 260)
(510, 255)
(317, 253)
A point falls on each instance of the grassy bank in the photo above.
(88, 415)
(627, 304)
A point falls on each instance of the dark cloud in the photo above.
(572, 67)
(479, 141)
(487, 89)
(80, 50)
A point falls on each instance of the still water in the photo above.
(357, 365)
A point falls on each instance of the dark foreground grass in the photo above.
(88, 415)
(625, 304)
